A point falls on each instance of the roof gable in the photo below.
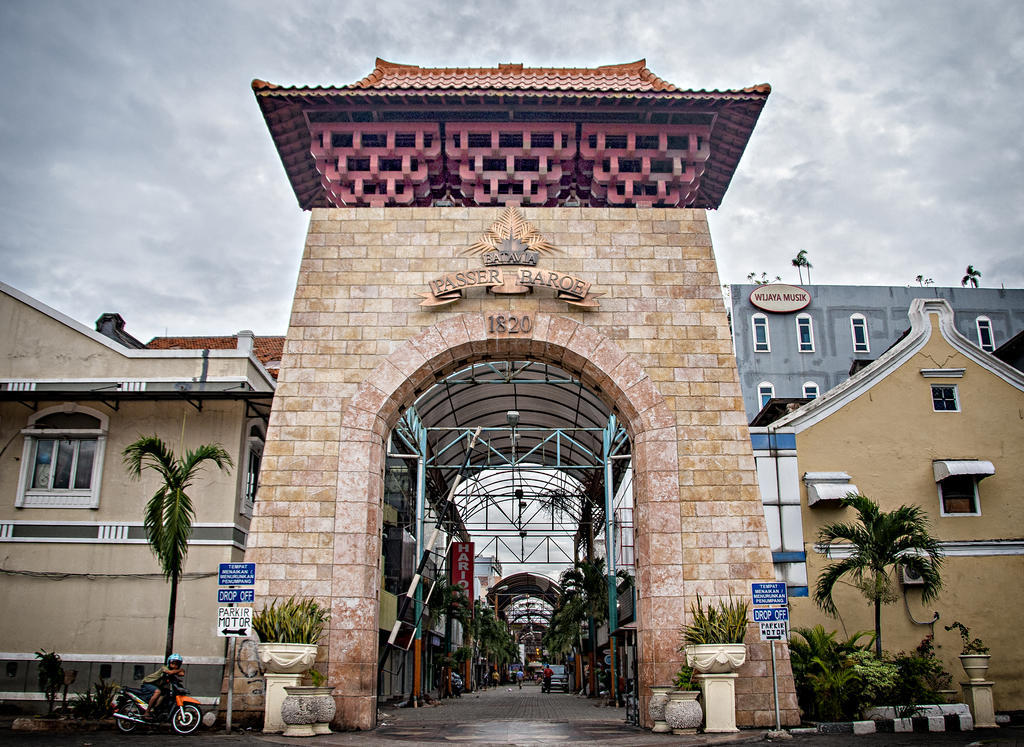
(921, 311)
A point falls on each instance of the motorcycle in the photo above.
(176, 707)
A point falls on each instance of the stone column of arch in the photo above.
(657, 350)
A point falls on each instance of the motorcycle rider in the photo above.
(152, 684)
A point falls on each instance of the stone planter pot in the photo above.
(656, 708)
(307, 711)
(975, 665)
(287, 658)
(683, 713)
(716, 658)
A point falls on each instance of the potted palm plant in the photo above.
(713, 641)
(974, 656)
(289, 631)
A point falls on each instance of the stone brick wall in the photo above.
(360, 347)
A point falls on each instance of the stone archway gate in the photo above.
(656, 346)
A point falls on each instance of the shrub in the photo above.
(724, 623)
(291, 621)
(95, 703)
(970, 645)
(51, 675)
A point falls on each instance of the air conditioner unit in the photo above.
(910, 577)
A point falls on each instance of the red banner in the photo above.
(461, 565)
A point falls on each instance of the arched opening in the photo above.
(619, 389)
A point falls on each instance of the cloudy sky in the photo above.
(138, 175)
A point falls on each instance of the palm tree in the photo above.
(169, 513)
(923, 281)
(800, 261)
(585, 599)
(753, 279)
(971, 277)
(878, 543)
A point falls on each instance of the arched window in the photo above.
(765, 392)
(859, 331)
(986, 340)
(762, 338)
(810, 390)
(805, 333)
(62, 458)
(254, 457)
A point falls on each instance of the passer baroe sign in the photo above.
(461, 564)
(779, 298)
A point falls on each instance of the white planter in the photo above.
(656, 708)
(976, 666)
(287, 658)
(716, 658)
(683, 713)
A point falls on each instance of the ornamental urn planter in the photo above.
(683, 713)
(307, 711)
(287, 658)
(716, 658)
(656, 708)
(975, 665)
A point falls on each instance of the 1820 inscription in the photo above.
(509, 324)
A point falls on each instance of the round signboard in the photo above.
(779, 298)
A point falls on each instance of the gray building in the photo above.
(806, 352)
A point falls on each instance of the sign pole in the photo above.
(231, 682)
(775, 690)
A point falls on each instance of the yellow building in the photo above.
(934, 422)
(78, 576)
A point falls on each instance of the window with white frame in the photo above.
(805, 333)
(959, 495)
(62, 458)
(810, 390)
(762, 338)
(986, 340)
(859, 331)
(765, 392)
(944, 398)
(254, 457)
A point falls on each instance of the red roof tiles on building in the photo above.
(268, 350)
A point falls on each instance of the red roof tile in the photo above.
(268, 349)
(630, 77)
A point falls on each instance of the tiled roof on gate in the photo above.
(268, 350)
(633, 77)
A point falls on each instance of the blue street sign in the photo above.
(236, 574)
(235, 596)
(770, 614)
(769, 594)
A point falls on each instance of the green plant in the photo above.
(169, 513)
(95, 703)
(462, 654)
(51, 676)
(317, 677)
(970, 645)
(833, 688)
(684, 679)
(724, 623)
(878, 542)
(813, 654)
(291, 621)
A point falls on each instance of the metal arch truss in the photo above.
(526, 505)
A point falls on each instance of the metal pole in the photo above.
(609, 544)
(231, 684)
(421, 497)
(775, 691)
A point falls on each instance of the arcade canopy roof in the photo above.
(321, 134)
